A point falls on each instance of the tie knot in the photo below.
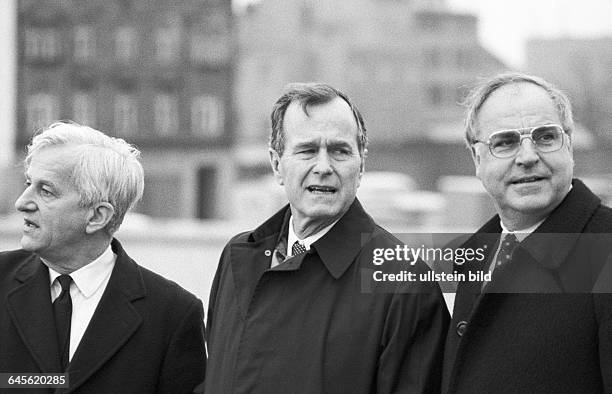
(64, 281)
(510, 241)
(508, 244)
(297, 248)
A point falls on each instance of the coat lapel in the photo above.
(114, 321)
(340, 246)
(30, 308)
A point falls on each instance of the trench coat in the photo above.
(544, 323)
(311, 325)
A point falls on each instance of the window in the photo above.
(41, 43)
(207, 116)
(84, 43)
(212, 50)
(84, 109)
(167, 44)
(126, 114)
(166, 119)
(41, 110)
(125, 44)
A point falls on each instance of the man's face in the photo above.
(531, 183)
(321, 167)
(54, 223)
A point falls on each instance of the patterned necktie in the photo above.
(508, 244)
(297, 248)
(62, 309)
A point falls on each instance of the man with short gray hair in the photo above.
(288, 310)
(543, 322)
(76, 303)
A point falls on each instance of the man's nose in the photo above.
(25, 202)
(527, 152)
(323, 164)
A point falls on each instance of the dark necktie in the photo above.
(62, 309)
(297, 248)
(508, 244)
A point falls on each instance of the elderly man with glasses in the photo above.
(543, 322)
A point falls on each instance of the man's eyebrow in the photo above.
(41, 181)
(339, 144)
(306, 144)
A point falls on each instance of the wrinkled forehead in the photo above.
(59, 158)
(516, 106)
(334, 117)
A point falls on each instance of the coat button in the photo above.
(461, 327)
(268, 253)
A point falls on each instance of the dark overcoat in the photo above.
(312, 325)
(544, 323)
(146, 335)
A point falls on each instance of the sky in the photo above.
(504, 26)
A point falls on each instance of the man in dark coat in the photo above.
(293, 308)
(543, 323)
(73, 301)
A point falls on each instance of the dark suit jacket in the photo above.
(539, 326)
(310, 324)
(146, 336)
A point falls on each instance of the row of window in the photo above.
(395, 69)
(46, 44)
(444, 94)
(207, 113)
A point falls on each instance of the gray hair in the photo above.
(308, 94)
(105, 169)
(482, 91)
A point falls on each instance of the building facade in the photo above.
(156, 73)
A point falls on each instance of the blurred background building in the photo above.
(192, 84)
(406, 64)
(156, 73)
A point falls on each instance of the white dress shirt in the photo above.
(292, 237)
(88, 285)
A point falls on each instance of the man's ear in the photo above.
(99, 216)
(476, 159)
(275, 163)
(362, 165)
(363, 159)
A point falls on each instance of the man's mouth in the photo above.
(527, 179)
(321, 189)
(29, 223)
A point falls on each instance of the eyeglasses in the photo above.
(506, 143)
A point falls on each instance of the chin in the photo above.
(534, 204)
(29, 244)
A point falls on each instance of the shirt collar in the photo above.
(520, 234)
(90, 277)
(308, 241)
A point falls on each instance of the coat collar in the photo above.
(561, 230)
(553, 240)
(114, 321)
(30, 309)
(337, 249)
